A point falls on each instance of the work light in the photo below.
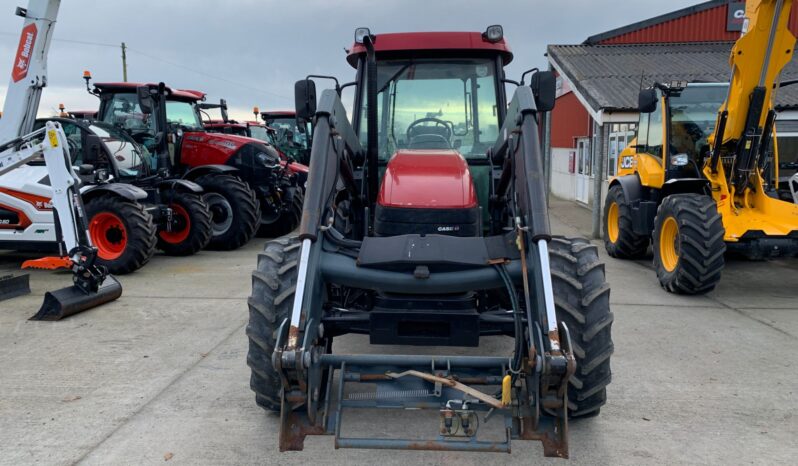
(494, 33)
(360, 34)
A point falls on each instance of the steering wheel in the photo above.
(437, 121)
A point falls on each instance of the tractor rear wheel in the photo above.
(122, 231)
(620, 239)
(582, 301)
(271, 302)
(191, 230)
(688, 244)
(287, 221)
(234, 210)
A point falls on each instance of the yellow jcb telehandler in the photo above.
(702, 175)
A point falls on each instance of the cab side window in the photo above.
(654, 141)
(75, 138)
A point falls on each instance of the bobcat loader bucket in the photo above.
(72, 300)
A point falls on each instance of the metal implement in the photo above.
(12, 286)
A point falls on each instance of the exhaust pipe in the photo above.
(72, 300)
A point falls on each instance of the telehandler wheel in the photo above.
(287, 221)
(122, 231)
(688, 244)
(272, 299)
(620, 239)
(234, 210)
(192, 225)
(582, 301)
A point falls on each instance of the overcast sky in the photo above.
(251, 51)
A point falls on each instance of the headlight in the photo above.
(267, 159)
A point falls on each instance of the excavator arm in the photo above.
(745, 120)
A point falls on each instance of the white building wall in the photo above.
(563, 183)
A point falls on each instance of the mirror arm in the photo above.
(510, 81)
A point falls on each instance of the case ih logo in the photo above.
(24, 51)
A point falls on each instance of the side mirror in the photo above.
(305, 99)
(647, 100)
(544, 88)
(145, 99)
(223, 107)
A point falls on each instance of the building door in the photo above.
(584, 167)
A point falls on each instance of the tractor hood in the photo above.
(201, 148)
(432, 179)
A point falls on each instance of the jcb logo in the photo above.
(627, 162)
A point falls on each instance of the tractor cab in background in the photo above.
(291, 136)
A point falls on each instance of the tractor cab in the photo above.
(291, 136)
(440, 104)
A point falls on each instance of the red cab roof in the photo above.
(183, 94)
(431, 41)
(278, 113)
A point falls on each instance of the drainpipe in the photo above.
(598, 177)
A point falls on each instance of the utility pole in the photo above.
(124, 63)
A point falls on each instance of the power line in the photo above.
(168, 62)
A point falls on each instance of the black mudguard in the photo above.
(123, 190)
(180, 185)
(196, 172)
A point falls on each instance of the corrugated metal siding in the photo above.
(704, 26)
(569, 120)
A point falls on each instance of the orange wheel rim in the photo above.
(613, 229)
(182, 227)
(669, 244)
(109, 235)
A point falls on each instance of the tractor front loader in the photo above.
(439, 239)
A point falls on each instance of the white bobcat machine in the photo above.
(41, 204)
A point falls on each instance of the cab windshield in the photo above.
(435, 104)
(261, 133)
(184, 115)
(288, 137)
(123, 111)
(692, 117)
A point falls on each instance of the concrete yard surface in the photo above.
(160, 376)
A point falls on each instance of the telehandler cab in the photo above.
(702, 176)
(425, 223)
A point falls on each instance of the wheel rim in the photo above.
(109, 235)
(221, 213)
(181, 227)
(669, 244)
(612, 222)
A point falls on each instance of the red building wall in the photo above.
(704, 26)
(569, 120)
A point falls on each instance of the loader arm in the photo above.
(745, 120)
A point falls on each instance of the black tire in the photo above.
(698, 244)
(288, 221)
(136, 227)
(582, 301)
(193, 224)
(234, 210)
(272, 299)
(626, 245)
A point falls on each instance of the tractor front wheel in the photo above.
(688, 244)
(191, 226)
(271, 302)
(620, 239)
(582, 301)
(234, 210)
(122, 231)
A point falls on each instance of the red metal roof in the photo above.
(187, 94)
(409, 41)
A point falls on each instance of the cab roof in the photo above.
(278, 113)
(180, 94)
(396, 43)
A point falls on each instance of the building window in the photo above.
(621, 134)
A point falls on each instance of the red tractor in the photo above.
(291, 137)
(425, 223)
(245, 185)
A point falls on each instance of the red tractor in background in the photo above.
(292, 137)
(245, 186)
